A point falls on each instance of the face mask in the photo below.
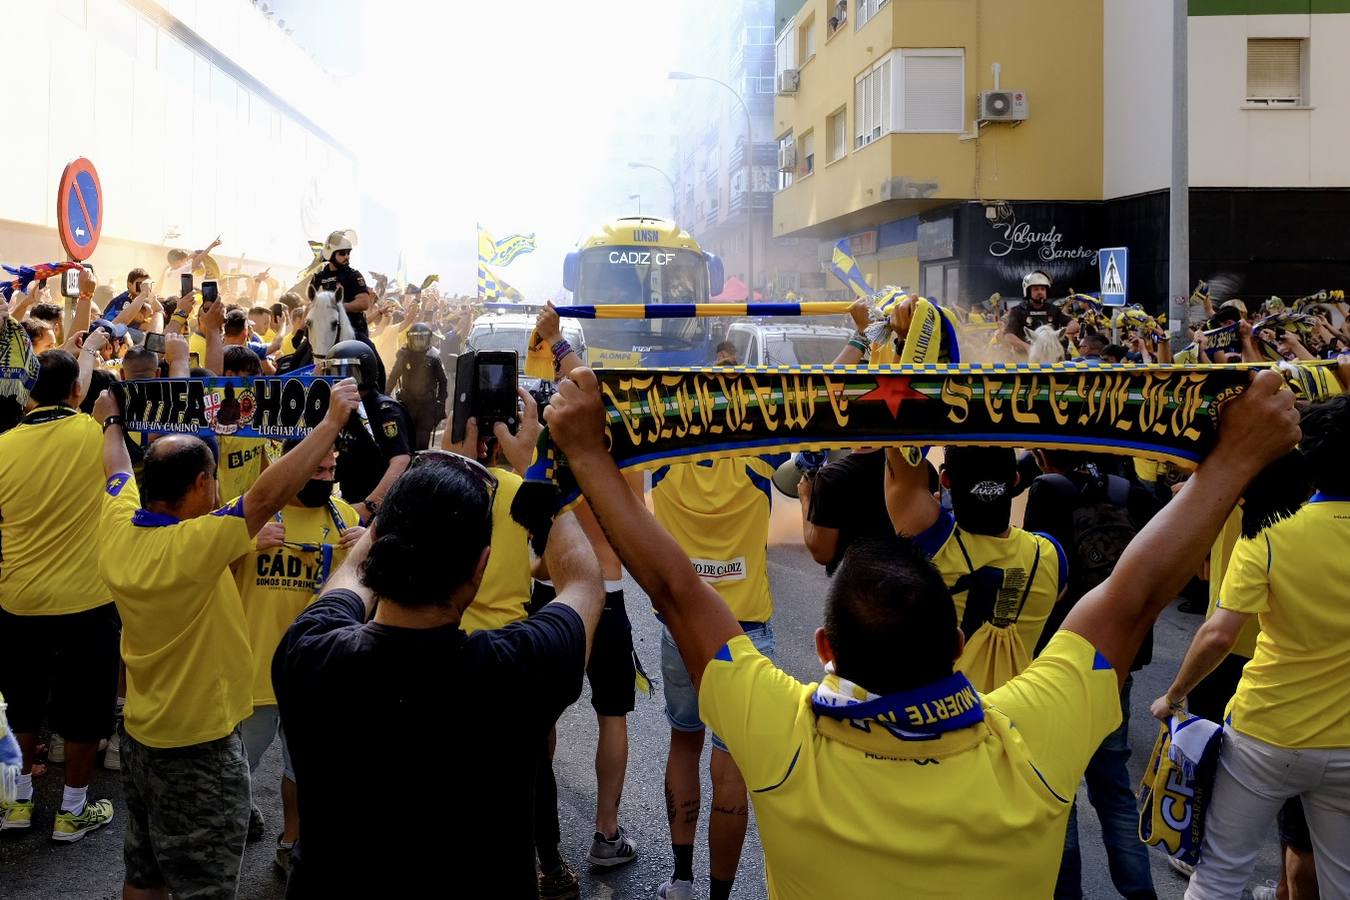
(315, 493)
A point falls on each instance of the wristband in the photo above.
(858, 343)
(111, 421)
(560, 350)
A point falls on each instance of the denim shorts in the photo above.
(681, 698)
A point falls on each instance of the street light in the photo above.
(638, 198)
(749, 174)
(670, 181)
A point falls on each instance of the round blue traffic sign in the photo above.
(79, 209)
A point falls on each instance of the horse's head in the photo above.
(1045, 345)
(326, 323)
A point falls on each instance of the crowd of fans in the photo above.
(175, 605)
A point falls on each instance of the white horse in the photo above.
(327, 324)
(1045, 345)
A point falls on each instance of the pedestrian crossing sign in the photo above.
(1113, 266)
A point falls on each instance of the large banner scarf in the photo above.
(278, 407)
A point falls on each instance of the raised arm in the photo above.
(116, 460)
(1255, 429)
(284, 478)
(575, 572)
(695, 614)
(910, 503)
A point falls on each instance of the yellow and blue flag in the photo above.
(845, 268)
(493, 252)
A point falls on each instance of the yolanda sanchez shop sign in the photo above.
(1047, 244)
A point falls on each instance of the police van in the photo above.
(786, 343)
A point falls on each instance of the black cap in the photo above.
(982, 480)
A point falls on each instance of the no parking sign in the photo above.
(79, 209)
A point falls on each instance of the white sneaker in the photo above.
(56, 748)
(676, 890)
(1185, 870)
(1264, 892)
(112, 756)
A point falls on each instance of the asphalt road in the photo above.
(31, 866)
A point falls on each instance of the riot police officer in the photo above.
(419, 383)
(370, 460)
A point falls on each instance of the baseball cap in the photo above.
(117, 331)
(982, 481)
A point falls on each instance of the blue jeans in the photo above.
(678, 687)
(1108, 784)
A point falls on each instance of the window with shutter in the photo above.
(1275, 71)
(836, 134)
(806, 153)
(933, 96)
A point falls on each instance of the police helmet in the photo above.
(419, 337)
(355, 359)
(338, 240)
(1034, 279)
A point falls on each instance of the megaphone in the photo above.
(805, 462)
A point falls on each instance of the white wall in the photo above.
(1137, 96)
(1236, 146)
(178, 143)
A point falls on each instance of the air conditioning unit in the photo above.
(787, 159)
(1003, 106)
(788, 81)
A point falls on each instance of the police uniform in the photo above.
(420, 381)
(362, 459)
(347, 283)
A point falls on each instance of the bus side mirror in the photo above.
(571, 269)
(717, 274)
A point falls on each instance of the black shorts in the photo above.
(64, 666)
(612, 669)
(1294, 826)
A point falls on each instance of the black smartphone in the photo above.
(154, 341)
(462, 407)
(495, 397)
(185, 284)
(209, 292)
(485, 389)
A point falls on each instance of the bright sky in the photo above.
(507, 113)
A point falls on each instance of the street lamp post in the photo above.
(749, 174)
(670, 181)
(638, 198)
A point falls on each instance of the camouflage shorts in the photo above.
(187, 815)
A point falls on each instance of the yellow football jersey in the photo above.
(505, 590)
(1296, 690)
(978, 811)
(276, 585)
(242, 460)
(718, 512)
(51, 477)
(992, 579)
(184, 641)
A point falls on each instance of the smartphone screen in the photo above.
(209, 292)
(184, 285)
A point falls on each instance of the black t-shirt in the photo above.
(850, 495)
(449, 727)
(362, 459)
(347, 283)
(1023, 318)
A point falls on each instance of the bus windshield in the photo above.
(642, 275)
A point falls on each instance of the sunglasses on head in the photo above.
(471, 467)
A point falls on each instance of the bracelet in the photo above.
(111, 421)
(1176, 707)
(560, 350)
(858, 343)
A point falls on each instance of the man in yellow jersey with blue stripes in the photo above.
(718, 512)
(1286, 729)
(893, 777)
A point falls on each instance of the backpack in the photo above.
(1102, 529)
